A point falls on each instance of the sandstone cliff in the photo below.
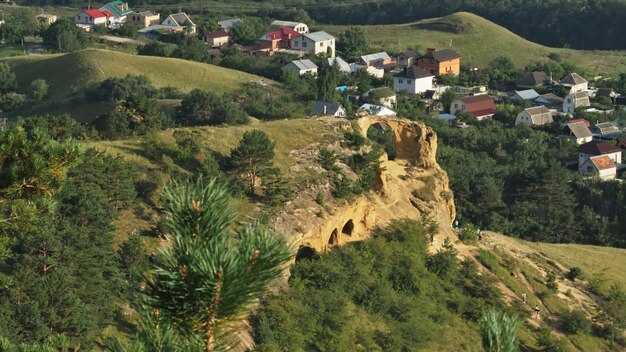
(409, 186)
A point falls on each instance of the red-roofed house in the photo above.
(94, 18)
(479, 106)
(587, 123)
(280, 38)
(600, 166)
(592, 158)
(216, 39)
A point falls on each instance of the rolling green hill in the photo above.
(479, 41)
(69, 74)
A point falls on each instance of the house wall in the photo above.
(84, 18)
(569, 105)
(440, 68)
(412, 86)
(523, 118)
(402, 61)
(305, 44)
(216, 42)
(143, 21)
(615, 157)
(457, 106)
(579, 87)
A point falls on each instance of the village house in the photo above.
(606, 93)
(299, 27)
(315, 43)
(343, 65)
(532, 80)
(378, 60)
(479, 106)
(591, 159)
(575, 83)
(119, 9)
(377, 110)
(604, 129)
(279, 39)
(524, 95)
(94, 17)
(301, 67)
(575, 100)
(180, 22)
(413, 80)
(143, 19)
(578, 130)
(216, 39)
(440, 62)
(382, 95)
(229, 24)
(535, 116)
(549, 100)
(406, 59)
(599, 166)
(46, 19)
(323, 108)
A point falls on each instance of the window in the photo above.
(589, 169)
(295, 43)
(408, 81)
(401, 81)
(321, 44)
(569, 101)
(456, 106)
(304, 44)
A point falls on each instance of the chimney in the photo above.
(325, 109)
(430, 50)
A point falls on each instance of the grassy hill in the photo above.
(479, 41)
(69, 74)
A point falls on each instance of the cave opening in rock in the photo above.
(306, 253)
(348, 228)
(382, 134)
(334, 238)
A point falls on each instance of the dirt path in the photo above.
(115, 39)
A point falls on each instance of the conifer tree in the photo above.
(204, 284)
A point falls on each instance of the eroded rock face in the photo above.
(410, 185)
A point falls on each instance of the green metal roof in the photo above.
(115, 7)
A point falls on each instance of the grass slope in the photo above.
(70, 72)
(479, 41)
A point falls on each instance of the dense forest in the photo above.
(513, 180)
(579, 24)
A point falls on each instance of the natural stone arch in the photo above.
(348, 228)
(333, 240)
(413, 142)
(306, 253)
(383, 134)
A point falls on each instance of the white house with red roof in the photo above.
(94, 18)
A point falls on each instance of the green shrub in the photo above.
(469, 233)
(551, 283)
(574, 322)
(575, 273)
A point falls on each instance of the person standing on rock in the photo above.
(524, 297)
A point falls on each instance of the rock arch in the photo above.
(414, 142)
(306, 253)
(348, 228)
(333, 240)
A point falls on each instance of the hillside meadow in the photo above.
(479, 41)
(69, 75)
